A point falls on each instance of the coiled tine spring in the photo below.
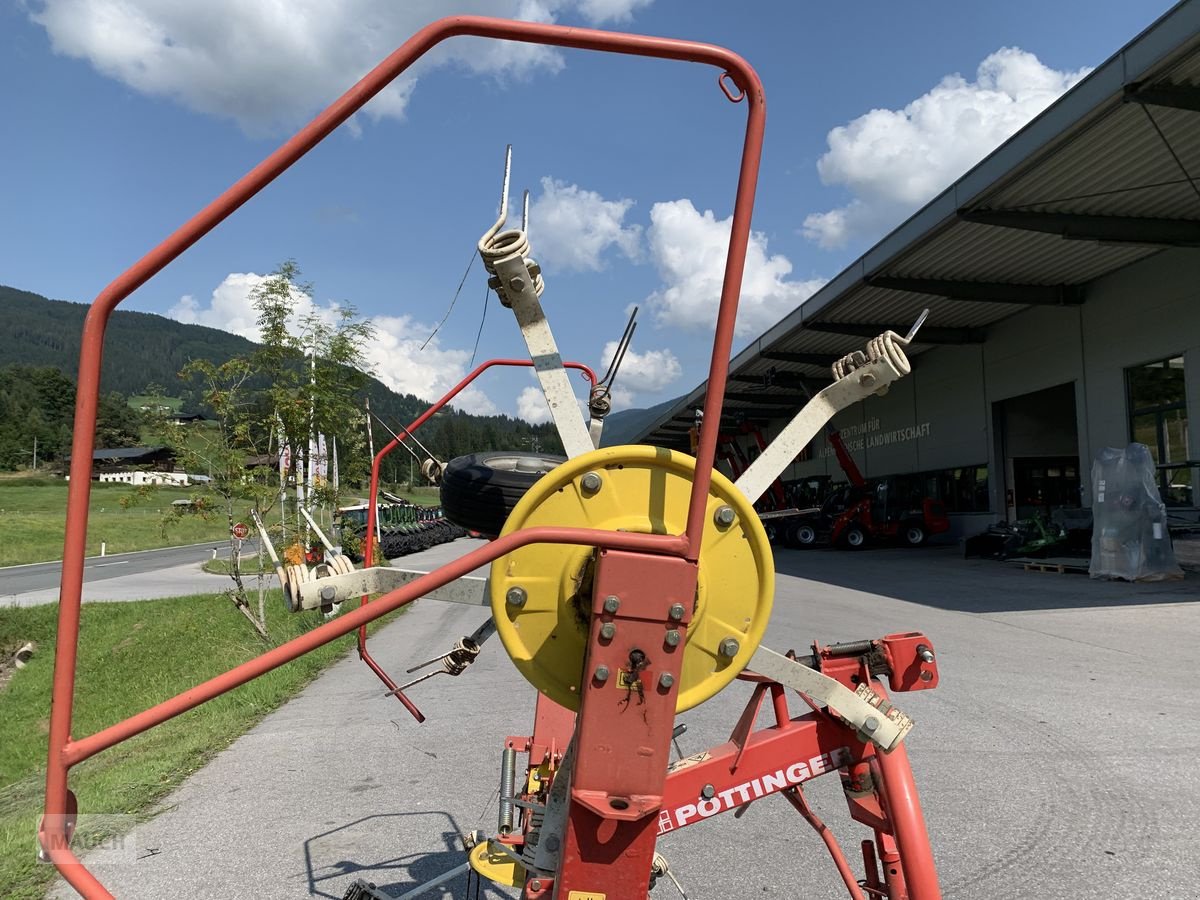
(888, 346)
(454, 663)
(496, 245)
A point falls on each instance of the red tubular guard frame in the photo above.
(373, 504)
(64, 751)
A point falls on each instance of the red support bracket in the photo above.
(373, 504)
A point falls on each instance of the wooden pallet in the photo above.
(1058, 565)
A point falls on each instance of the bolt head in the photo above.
(870, 725)
(602, 673)
(708, 792)
(591, 482)
(665, 680)
(866, 379)
(672, 638)
(611, 604)
(729, 647)
(553, 843)
(608, 630)
(676, 611)
(328, 593)
(535, 885)
(516, 596)
(725, 516)
(517, 283)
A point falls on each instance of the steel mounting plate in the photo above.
(640, 489)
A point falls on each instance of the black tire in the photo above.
(913, 534)
(806, 535)
(479, 491)
(853, 538)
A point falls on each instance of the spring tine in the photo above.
(621, 350)
(622, 346)
(525, 213)
(678, 886)
(503, 217)
(912, 332)
(419, 666)
(415, 681)
(411, 436)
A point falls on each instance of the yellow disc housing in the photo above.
(643, 490)
(495, 865)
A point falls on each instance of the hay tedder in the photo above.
(627, 584)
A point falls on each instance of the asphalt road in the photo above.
(134, 576)
(1054, 760)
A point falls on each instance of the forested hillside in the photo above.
(39, 359)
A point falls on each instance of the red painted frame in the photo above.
(66, 751)
(373, 504)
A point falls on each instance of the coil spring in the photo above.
(497, 246)
(889, 346)
(462, 655)
(600, 402)
(508, 783)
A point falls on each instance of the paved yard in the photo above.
(1055, 760)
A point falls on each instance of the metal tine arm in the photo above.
(317, 528)
(856, 376)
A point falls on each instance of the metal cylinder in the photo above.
(508, 781)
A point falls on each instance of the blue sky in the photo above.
(124, 117)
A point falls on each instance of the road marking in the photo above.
(119, 562)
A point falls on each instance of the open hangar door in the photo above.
(1039, 444)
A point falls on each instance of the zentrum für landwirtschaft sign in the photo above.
(868, 435)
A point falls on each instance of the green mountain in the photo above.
(628, 425)
(143, 349)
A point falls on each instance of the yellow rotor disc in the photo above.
(643, 490)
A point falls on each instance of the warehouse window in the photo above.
(1157, 402)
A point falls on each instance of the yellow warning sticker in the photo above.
(586, 895)
(628, 681)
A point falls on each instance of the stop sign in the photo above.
(240, 531)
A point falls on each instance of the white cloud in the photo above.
(394, 354)
(611, 10)
(571, 228)
(270, 66)
(649, 372)
(532, 406)
(689, 248)
(892, 161)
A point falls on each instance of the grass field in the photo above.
(33, 512)
(132, 655)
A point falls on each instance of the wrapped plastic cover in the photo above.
(1129, 533)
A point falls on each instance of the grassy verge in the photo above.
(33, 509)
(32, 512)
(131, 656)
(249, 567)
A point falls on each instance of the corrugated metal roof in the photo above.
(1094, 152)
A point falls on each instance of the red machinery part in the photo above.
(373, 504)
(605, 796)
(64, 751)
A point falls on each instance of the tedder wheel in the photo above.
(914, 534)
(806, 535)
(854, 538)
(541, 593)
(480, 490)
